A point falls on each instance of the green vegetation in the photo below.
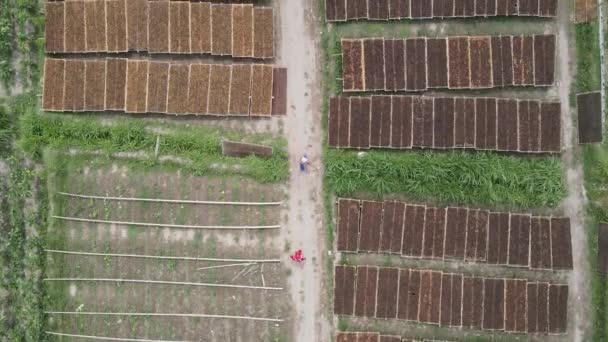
(22, 230)
(588, 58)
(456, 177)
(7, 73)
(29, 27)
(6, 131)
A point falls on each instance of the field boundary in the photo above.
(160, 200)
(161, 257)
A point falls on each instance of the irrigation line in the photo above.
(229, 265)
(160, 282)
(106, 338)
(136, 199)
(164, 225)
(253, 261)
(143, 314)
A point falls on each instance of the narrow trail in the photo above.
(304, 228)
(574, 205)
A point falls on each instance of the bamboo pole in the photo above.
(160, 282)
(137, 199)
(253, 261)
(106, 338)
(164, 225)
(143, 314)
(229, 265)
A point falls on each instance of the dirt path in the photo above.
(304, 229)
(574, 205)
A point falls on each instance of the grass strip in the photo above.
(478, 179)
(587, 58)
(7, 72)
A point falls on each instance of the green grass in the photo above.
(200, 147)
(587, 58)
(453, 177)
(7, 72)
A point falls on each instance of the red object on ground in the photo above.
(297, 257)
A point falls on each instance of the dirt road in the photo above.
(304, 228)
(574, 205)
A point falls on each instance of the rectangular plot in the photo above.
(346, 337)
(200, 27)
(532, 308)
(497, 62)
(221, 29)
(395, 230)
(341, 10)
(558, 308)
(279, 91)
(242, 30)
(361, 8)
(589, 118)
(472, 302)
(457, 283)
(351, 9)
(261, 94)
(404, 295)
(391, 64)
(464, 8)
(445, 314)
(219, 89)
(437, 63)
(507, 55)
(459, 72)
(352, 65)
(263, 32)
(544, 60)
(602, 248)
(543, 308)
(344, 290)
(371, 226)
(360, 112)
(456, 233)
(481, 62)
(74, 27)
(380, 132)
(378, 10)
(529, 7)
(137, 84)
(73, 97)
(493, 304)
(330, 10)
(415, 64)
(550, 127)
(344, 128)
(540, 243)
(54, 29)
(430, 296)
(443, 122)
(137, 25)
(158, 26)
(116, 81)
(116, 26)
(198, 88)
(95, 28)
(53, 87)
(333, 124)
(498, 238)
(240, 89)
(414, 295)
(413, 232)
(402, 121)
(477, 235)
(399, 9)
(507, 125)
(388, 286)
(95, 78)
(348, 225)
(438, 243)
(374, 63)
(523, 67)
(547, 8)
(561, 244)
(519, 240)
(515, 305)
(158, 81)
(434, 232)
(367, 337)
(421, 9)
(464, 122)
(177, 102)
(179, 27)
(443, 8)
(365, 292)
(423, 115)
(524, 125)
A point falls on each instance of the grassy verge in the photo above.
(7, 73)
(198, 147)
(587, 58)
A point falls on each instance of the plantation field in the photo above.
(85, 177)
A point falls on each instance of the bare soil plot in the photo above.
(423, 122)
(443, 129)
(485, 124)
(261, 94)
(73, 97)
(421, 9)
(481, 62)
(558, 308)
(200, 27)
(243, 150)
(392, 227)
(74, 27)
(95, 85)
(507, 125)
(116, 26)
(54, 30)
(515, 305)
(360, 117)
(179, 27)
(498, 238)
(472, 302)
(116, 81)
(409, 294)
(95, 27)
(493, 304)
(523, 60)
(544, 60)
(430, 297)
(177, 101)
(415, 64)
(349, 213)
(528, 8)
(371, 226)
(538, 304)
(380, 126)
(399, 9)
(585, 11)
(158, 85)
(240, 89)
(602, 248)
(242, 31)
(263, 32)
(477, 235)
(561, 244)
(335, 10)
(456, 233)
(547, 8)
(484, 8)
(365, 292)
(519, 240)
(378, 10)
(221, 29)
(394, 64)
(339, 121)
(459, 65)
(198, 88)
(219, 89)
(373, 55)
(279, 91)
(443, 8)
(344, 290)
(401, 122)
(439, 233)
(137, 86)
(540, 243)
(158, 26)
(451, 300)
(352, 65)
(137, 25)
(550, 124)
(437, 63)
(589, 118)
(54, 81)
(388, 286)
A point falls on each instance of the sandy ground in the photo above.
(574, 205)
(299, 53)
